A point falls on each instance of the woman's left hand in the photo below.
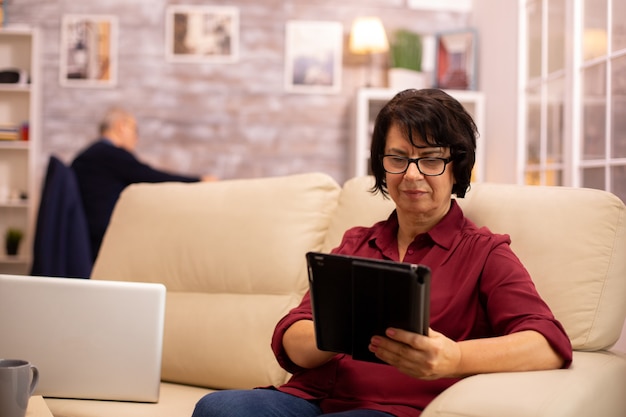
(424, 357)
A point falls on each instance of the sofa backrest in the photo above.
(231, 254)
(572, 241)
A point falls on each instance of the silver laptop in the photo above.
(90, 339)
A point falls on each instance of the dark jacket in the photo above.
(103, 171)
(61, 246)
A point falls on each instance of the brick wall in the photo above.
(233, 120)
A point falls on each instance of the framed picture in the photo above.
(313, 54)
(88, 51)
(455, 62)
(202, 34)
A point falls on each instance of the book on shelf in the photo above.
(9, 132)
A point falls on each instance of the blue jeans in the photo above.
(266, 403)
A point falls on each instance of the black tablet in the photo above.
(355, 298)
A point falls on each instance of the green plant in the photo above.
(406, 50)
(12, 240)
(14, 234)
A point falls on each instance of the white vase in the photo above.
(401, 79)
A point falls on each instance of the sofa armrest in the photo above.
(593, 386)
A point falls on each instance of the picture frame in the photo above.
(313, 56)
(197, 34)
(88, 55)
(456, 58)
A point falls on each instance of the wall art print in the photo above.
(202, 34)
(313, 57)
(88, 51)
(456, 58)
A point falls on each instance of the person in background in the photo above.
(109, 165)
(486, 314)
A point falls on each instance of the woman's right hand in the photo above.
(300, 345)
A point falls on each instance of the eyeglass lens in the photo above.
(394, 164)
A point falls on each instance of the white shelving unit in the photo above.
(369, 101)
(19, 104)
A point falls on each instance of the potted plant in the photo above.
(405, 54)
(12, 240)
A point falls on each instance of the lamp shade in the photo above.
(368, 36)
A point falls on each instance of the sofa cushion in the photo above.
(579, 274)
(175, 400)
(231, 254)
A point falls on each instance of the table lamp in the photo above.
(368, 36)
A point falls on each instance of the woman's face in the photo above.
(414, 193)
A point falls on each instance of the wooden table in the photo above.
(37, 407)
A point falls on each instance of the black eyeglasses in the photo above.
(429, 166)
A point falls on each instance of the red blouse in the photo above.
(479, 289)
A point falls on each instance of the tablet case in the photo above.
(356, 298)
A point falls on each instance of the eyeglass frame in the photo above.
(446, 161)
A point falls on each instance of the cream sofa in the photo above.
(231, 254)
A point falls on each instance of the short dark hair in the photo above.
(435, 117)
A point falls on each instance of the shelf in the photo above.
(19, 104)
(14, 204)
(17, 259)
(14, 88)
(17, 30)
(15, 144)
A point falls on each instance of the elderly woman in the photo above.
(486, 315)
